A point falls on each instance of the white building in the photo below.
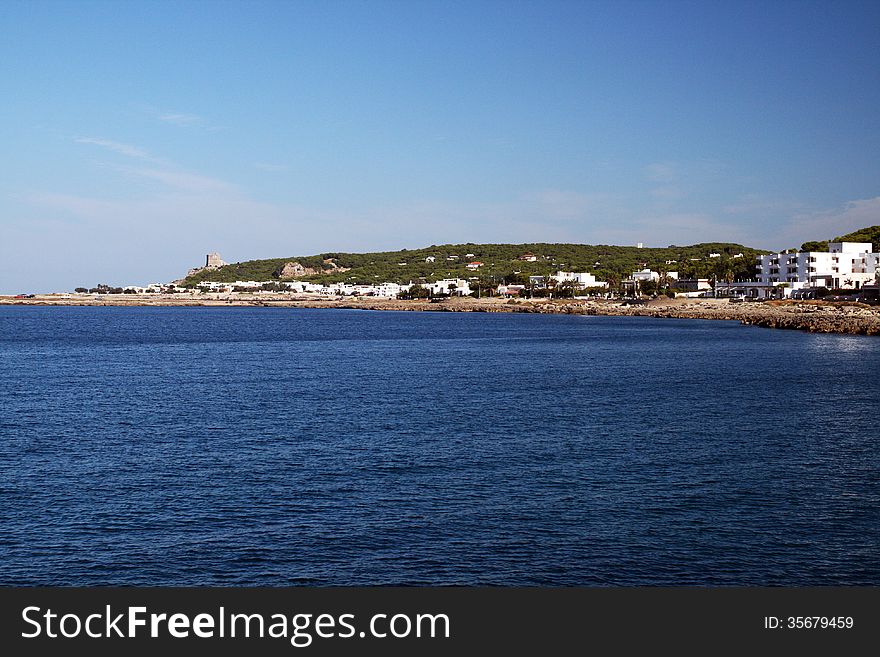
(581, 279)
(451, 286)
(247, 285)
(509, 290)
(306, 288)
(387, 290)
(645, 275)
(846, 265)
(214, 286)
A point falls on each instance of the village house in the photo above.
(387, 290)
(582, 279)
(450, 286)
(645, 275)
(509, 290)
(214, 286)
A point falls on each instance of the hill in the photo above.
(500, 262)
(869, 234)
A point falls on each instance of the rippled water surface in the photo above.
(276, 446)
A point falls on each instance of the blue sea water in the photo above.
(269, 446)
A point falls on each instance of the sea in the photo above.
(274, 447)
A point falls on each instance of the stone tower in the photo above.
(213, 261)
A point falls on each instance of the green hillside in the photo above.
(869, 234)
(500, 261)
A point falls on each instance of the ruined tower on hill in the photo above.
(214, 261)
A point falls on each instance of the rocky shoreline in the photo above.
(813, 316)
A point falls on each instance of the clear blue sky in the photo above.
(138, 136)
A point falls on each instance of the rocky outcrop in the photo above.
(330, 265)
(856, 319)
(820, 324)
(292, 270)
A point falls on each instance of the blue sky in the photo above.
(138, 136)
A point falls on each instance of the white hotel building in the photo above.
(846, 265)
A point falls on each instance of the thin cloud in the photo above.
(181, 119)
(164, 171)
(665, 176)
(561, 204)
(661, 172)
(676, 180)
(115, 146)
(184, 120)
(667, 193)
(78, 206)
(271, 168)
(828, 224)
(755, 205)
(185, 181)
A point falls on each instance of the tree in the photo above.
(815, 246)
(414, 292)
(483, 286)
(567, 289)
(663, 280)
(614, 282)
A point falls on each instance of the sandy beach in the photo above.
(814, 316)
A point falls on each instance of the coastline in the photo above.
(812, 316)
